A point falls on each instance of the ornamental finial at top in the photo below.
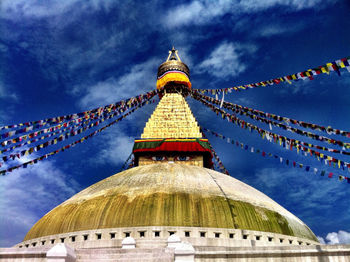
(173, 74)
(173, 55)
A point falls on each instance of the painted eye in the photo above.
(158, 158)
(182, 158)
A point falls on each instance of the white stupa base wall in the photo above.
(334, 253)
(172, 244)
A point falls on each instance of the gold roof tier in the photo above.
(172, 118)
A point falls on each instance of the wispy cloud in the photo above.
(226, 59)
(27, 194)
(41, 9)
(308, 195)
(134, 82)
(254, 6)
(64, 50)
(205, 11)
(5, 93)
(272, 178)
(197, 12)
(277, 29)
(116, 148)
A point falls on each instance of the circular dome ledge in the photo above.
(170, 194)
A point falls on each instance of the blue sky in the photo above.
(62, 57)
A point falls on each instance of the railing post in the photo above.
(61, 253)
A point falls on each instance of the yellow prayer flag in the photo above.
(330, 66)
(324, 70)
(341, 64)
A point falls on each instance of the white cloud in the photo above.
(116, 147)
(254, 6)
(4, 93)
(136, 81)
(197, 12)
(307, 196)
(340, 237)
(310, 197)
(205, 11)
(26, 194)
(321, 240)
(333, 238)
(13, 8)
(226, 60)
(277, 29)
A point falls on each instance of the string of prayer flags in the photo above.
(308, 74)
(124, 105)
(246, 110)
(53, 141)
(283, 126)
(72, 124)
(219, 163)
(86, 117)
(217, 159)
(281, 159)
(29, 126)
(44, 131)
(81, 140)
(277, 139)
(71, 133)
(126, 163)
(34, 140)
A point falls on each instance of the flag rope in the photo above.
(217, 159)
(308, 74)
(69, 130)
(126, 163)
(28, 126)
(50, 134)
(81, 140)
(270, 136)
(246, 110)
(264, 154)
(60, 138)
(285, 127)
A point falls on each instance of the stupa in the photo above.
(171, 191)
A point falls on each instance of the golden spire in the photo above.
(173, 73)
(172, 118)
(173, 55)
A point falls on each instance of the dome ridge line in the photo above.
(230, 206)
